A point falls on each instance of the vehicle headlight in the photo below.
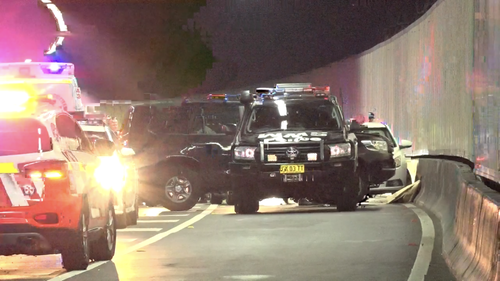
(244, 153)
(397, 160)
(111, 173)
(340, 150)
(375, 145)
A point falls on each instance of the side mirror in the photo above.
(229, 129)
(104, 147)
(247, 98)
(405, 144)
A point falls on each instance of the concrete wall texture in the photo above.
(435, 83)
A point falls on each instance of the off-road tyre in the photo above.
(182, 200)
(348, 197)
(246, 206)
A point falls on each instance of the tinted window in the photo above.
(218, 115)
(175, 120)
(294, 116)
(22, 136)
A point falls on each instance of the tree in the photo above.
(179, 56)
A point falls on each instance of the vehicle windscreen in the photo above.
(294, 116)
(23, 136)
(384, 132)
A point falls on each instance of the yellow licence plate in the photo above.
(292, 169)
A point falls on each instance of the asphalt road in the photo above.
(377, 242)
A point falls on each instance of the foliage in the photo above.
(179, 56)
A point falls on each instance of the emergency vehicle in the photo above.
(50, 197)
(56, 79)
(125, 183)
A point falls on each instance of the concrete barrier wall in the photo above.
(469, 215)
(417, 82)
(435, 83)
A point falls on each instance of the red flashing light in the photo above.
(47, 218)
(216, 96)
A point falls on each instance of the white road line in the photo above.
(140, 245)
(74, 273)
(126, 240)
(424, 254)
(156, 221)
(162, 216)
(179, 215)
(139, 229)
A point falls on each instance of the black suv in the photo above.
(295, 143)
(183, 151)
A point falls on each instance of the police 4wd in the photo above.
(293, 142)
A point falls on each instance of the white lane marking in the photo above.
(180, 215)
(126, 240)
(153, 212)
(139, 229)
(161, 216)
(248, 277)
(156, 221)
(424, 254)
(140, 245)
(74, 273)
(13, 191)
(176, 229)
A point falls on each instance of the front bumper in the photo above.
(266, 180)
(394, 184)
(377, 166)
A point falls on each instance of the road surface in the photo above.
(282, 242)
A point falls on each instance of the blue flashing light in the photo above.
(53, 68)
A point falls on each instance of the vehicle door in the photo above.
(173, 123)
(212, 143)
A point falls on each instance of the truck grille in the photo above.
(279, 152)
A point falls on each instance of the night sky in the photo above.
(253, 41)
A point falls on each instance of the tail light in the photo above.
(46, 218)
(46, 169)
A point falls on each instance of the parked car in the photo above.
(50, 201)
(402, 176)
(122, 165)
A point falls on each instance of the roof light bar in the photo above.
(223, 97)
